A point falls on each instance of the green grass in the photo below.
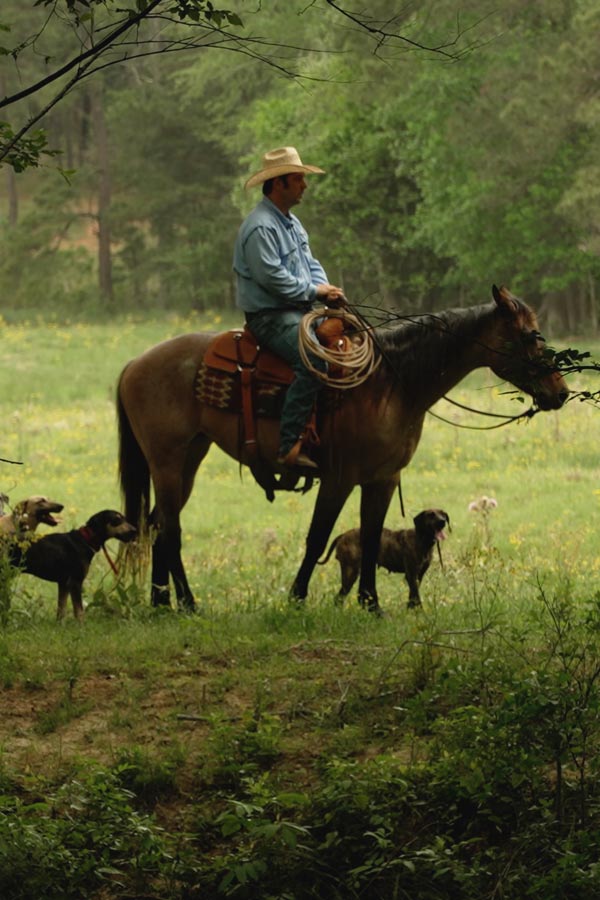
(254, 701)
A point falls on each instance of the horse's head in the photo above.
(520, 354)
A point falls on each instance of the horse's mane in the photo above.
(416, 343)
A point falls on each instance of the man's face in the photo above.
(291, 194)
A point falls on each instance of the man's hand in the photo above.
(333, 295)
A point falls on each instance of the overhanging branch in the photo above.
(92, 52)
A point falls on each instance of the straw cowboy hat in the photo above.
(281, 162)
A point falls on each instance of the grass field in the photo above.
(310, 721)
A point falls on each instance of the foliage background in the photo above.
(249, 751)
(443, 175)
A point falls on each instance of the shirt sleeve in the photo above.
(317, 272)
(266, 268)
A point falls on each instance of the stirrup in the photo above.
(295, 457)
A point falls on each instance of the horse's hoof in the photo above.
(413, 604)
(160, 597)
(297, 602)
(378, 612)
(371, 604)
(188, 608)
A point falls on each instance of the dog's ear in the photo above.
(20, 512)
(419, 518)
(447, 518)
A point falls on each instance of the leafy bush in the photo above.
(147, 776)
(238, 752)
(85, 834)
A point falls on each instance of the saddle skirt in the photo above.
(235, 365)
(235, 357)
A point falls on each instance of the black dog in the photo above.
(409, 550)
(65, 558)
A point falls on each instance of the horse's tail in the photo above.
(134, 473)
(321, 562)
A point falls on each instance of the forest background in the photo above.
(249, 751)
(446, 171)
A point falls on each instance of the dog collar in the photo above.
(90, 538)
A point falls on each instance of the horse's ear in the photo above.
(505, 301)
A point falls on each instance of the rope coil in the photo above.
(358, 362)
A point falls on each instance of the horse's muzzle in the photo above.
(554, 400)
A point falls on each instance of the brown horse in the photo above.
(366, 440)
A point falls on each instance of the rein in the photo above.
(528, 414)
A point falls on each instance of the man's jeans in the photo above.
(278, 330)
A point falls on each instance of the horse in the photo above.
(365, 440)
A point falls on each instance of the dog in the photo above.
(408, 550)
(66, 558)
(28, 514)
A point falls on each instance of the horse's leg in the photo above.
(159, 591)
(374, 503)
(166, 550)
(330, 500)
(172, 488)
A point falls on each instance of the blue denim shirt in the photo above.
(273, 263)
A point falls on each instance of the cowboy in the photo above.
(278, 280)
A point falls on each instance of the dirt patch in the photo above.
(42, 729)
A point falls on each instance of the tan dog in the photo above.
(408, 550)
(28, 514)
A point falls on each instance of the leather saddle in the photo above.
(237, 350)
(238, 375)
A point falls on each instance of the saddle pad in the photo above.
(238, 348)
(218, 380)
(223, 390)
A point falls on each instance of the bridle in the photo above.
(531, 337)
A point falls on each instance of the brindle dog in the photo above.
(408, 550)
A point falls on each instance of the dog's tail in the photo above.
(134, 474)
(321, 562)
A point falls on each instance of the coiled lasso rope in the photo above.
(358, 362)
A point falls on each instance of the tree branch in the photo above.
(384, 36)
(93, 52)
(93, 59)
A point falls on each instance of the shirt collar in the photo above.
(286, 221)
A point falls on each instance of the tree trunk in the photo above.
(13, 197)
(104, 194)
(593, 305)
(11, 181)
